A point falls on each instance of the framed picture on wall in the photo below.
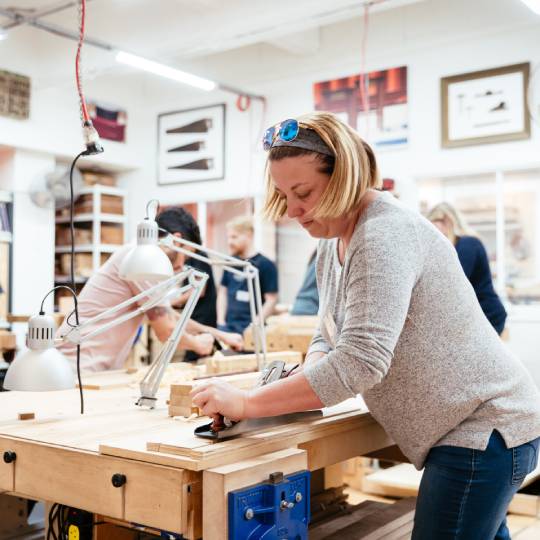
(191, 145)
(376, 105)
(486, 106)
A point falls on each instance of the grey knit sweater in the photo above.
(401, 326)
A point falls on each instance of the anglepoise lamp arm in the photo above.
(238, 267)
(155, 294)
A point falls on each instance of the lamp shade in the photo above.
(40, 371)
(146, 261)
(41, 367)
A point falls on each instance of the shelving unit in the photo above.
(6, 238)
(100, 229)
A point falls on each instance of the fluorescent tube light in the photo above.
(533, 5)
(165, 71)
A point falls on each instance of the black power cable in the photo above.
(72, 265)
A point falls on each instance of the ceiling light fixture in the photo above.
(533, 5)
(164, 71)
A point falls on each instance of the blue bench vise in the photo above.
(277, 509)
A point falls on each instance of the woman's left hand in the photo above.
(216, 397)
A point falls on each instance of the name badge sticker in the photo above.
(242, 296)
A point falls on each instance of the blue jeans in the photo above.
(464, 494)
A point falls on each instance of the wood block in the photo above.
(356, 513)
(525, 505)
(240, 380)
(333, 476)
(13, 515)
(184, 411)
(8, 341)
(26, 416)
(247, 362)
(382, 524)
(218, 482)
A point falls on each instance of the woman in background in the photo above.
(474, 260)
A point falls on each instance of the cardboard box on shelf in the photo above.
(112, 234)
(63, 235)
(110, 204)
(91, 178)
(83, 263)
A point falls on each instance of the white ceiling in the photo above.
(189, 28)
(177, 32)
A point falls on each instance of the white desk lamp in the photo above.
(238, 267)
(136, 265)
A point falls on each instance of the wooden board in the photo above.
(201, 454)
(240, 380)
(404, 481)
(247, 362)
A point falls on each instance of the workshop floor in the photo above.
(521, 527)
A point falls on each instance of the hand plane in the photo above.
(223, 428)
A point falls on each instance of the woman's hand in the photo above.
(216, 397)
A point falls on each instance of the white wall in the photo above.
(434, 38)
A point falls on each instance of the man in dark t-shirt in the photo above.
(233, 305)
(180, 223)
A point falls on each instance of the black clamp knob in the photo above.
(118, 480)
(9, 456)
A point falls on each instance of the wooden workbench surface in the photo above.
(114, 425)
(71, 458)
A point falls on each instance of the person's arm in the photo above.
(382, 272)
(270, 301)
(221, 306)
(234, 341)
(180, 301)
(281, 397)
(163, 320)
(468, 249)
(268, 277)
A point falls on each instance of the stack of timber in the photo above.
(219, 363)
(285, 333)
(369, 521)
(404, 481)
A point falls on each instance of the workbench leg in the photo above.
(333, 475)
(218, 482)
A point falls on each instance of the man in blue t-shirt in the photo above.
(233, 310)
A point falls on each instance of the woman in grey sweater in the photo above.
(401, 325)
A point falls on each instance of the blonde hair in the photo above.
(447, 213)
(352, 170)
(241, 224)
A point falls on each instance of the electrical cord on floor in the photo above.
(58, 523)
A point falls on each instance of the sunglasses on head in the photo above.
(287, 131)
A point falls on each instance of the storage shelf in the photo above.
(105, 190)
(66, 279)
(104, 218)
(89, 248)
(6, 237)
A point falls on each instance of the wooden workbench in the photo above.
(174, 481)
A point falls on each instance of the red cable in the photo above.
(84, 111)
